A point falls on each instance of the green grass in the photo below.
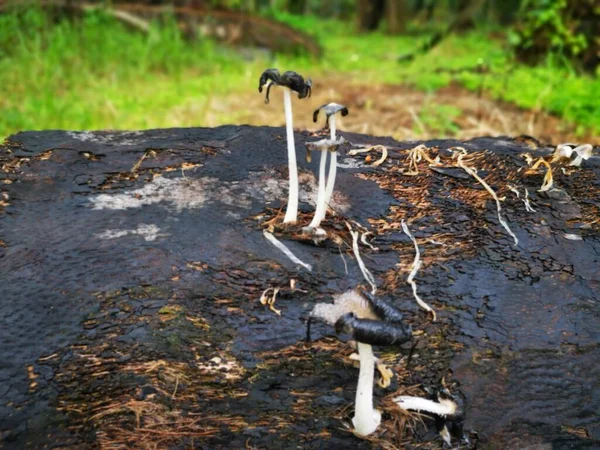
(97, 74)
(551, 87)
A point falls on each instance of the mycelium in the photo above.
(290, 81)
(325, 193)
(370, 321)
(449, 411)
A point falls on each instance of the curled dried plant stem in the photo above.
(548, 179)
(380, 161)
(344, 261)
(363, 239)
(368, 275)
(528, 206)
(415, 268)
(525, 199)
(138, 164)
(415, 155)
(270, 300)
(459, 162)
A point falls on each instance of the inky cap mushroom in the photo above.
(293, 82)
(289, 79)
(323, 145)
(330, 109)
(370, 321)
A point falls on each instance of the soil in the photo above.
(132, 264)
(401, 112)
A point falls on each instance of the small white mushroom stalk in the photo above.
(291, 214)
(332, 167)
(366, 418)
(326, 192)
(325, 146)
(321, 205)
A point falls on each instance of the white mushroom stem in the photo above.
(443, 408)
(332, 168)
(366, 418)
(291, 214)
(321, 205)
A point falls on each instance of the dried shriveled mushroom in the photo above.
(290, 81)
(573, 152)
(370, 321)
(449, 411)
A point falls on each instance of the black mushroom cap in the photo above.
(268, 76)
(296, 83)
(388, 330)
(292, 80)
(368, 319)
(330, 109)
(373, 332)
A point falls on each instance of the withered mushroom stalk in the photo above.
(449, 411)
(325, 193)
(370, 321)
(290, 81)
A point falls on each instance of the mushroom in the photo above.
(330, 110)
(449, 411)
(324, 146)
(575, 153)
(370, 321)
(291, 81)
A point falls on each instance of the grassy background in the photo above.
(97, 74)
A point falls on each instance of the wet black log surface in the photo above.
(131, 265)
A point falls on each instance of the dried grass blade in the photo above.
(487, 187)
(415, 268)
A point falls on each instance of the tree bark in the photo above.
(297, 6)
(370, 13)
(396, 12)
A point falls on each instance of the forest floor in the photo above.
(132, 264)
(401, 112)
(68, 75)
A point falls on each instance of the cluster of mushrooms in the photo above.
(367, 319)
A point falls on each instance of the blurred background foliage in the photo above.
(407, 68)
